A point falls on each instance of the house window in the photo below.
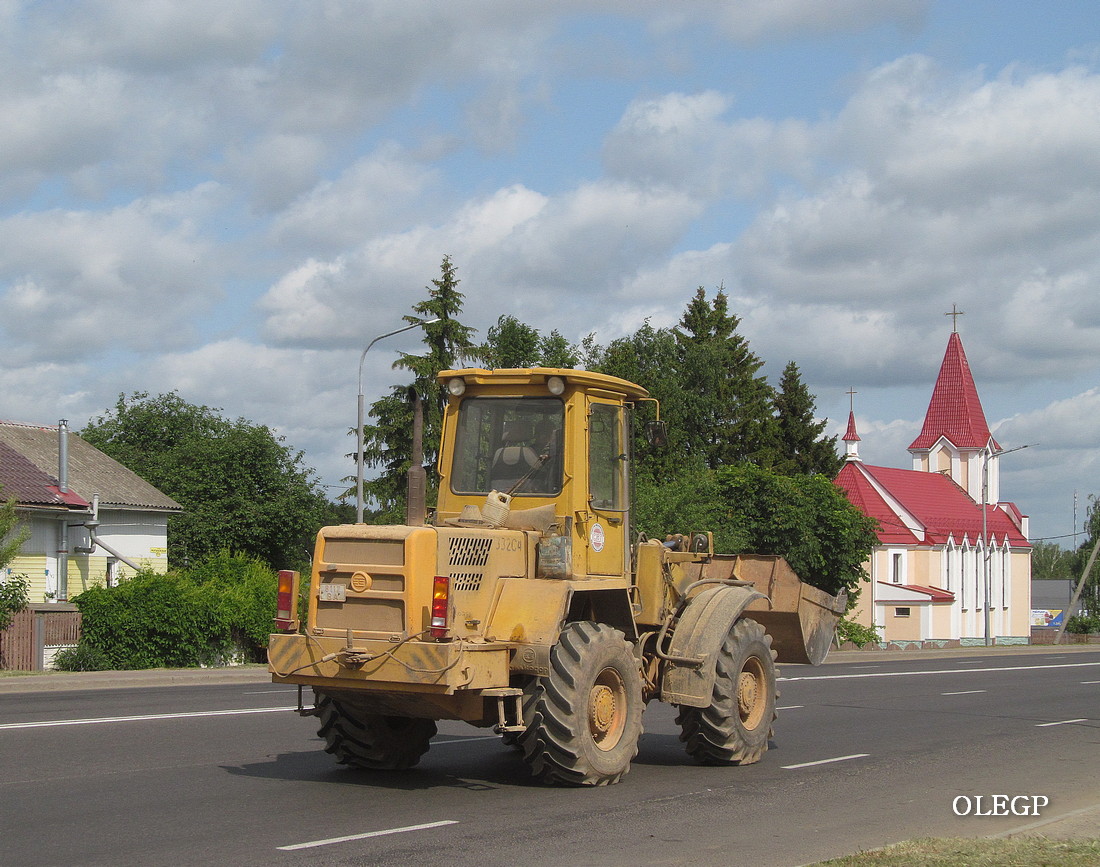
(902, 612)
(896, 568)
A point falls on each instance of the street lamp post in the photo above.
(985, 532)
(360, 420)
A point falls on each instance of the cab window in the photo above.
(511, 445)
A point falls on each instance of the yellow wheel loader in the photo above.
(528, 605)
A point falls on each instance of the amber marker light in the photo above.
(286, 617)
(440, 593)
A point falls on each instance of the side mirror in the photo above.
(656, 433)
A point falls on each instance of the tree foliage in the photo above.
(511, 343)
(805, 519)
(728, 404)
(12, 533)
(387, 443)
(240, 486)
(802, 445)
(1090, 594)
(1050, 561)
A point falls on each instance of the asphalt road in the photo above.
(867, 751)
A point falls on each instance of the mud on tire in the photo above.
(735, 729)
(372, 741)
(585, 718)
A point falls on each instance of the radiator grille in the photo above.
(467, 558)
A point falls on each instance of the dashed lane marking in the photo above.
(312, 844)
(825, 761)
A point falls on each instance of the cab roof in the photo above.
(537, 376)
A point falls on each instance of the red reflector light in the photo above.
(286, 602)
(440, 603)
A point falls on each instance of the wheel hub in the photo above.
(602, 709)
(607, 709)
(752, 700)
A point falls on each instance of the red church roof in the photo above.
(940, 508)
(954, 412)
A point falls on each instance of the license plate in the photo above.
(333, 593)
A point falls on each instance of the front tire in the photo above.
(586, 717)
(371, 741)
(735, 729)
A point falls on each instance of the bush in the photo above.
(857, 633)
(1082, 624)
(14, 597)
(220, 609)
(83, 657)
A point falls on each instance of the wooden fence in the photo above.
(34, 634)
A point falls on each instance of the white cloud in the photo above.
(77, 283)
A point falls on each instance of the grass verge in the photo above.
(953, 852)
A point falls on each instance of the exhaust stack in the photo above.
(416, 502)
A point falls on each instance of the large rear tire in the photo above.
(372, 741)
(735, 729)
(584, 720)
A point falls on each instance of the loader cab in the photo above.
(551, 439)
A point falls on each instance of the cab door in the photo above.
(606, 524)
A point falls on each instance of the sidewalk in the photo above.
(55, 681)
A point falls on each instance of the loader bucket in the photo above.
(800, 618)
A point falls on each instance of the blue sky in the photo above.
(231, 199)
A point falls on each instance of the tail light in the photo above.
(286, 604)
(440, 602)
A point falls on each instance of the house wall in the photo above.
(140, 536)
(902, 628)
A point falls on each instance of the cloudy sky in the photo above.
(231, 198)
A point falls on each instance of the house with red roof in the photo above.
(90, 520)
(953, 563)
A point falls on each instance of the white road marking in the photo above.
(965, 692)
(1086, 682)
(314, 843)
(825, 761)
(141, 718)
(284, 691)
(937, 671)
(1064, 722)
(790, 707)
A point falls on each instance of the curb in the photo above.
(67, 681)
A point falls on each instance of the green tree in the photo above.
(805, 519)
(1050, 561)
(12, 533)
(1090, 594)
(556, 351)
(14, 589)
(240, 486)
(388, 442)
(802, 446)
(511, 343)
(727, 414)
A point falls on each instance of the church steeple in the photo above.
(955, 435)
(851, 450)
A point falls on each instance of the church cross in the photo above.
(955, 314)
(851, 392)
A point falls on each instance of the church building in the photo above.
(953, 563)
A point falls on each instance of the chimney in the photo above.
(63, 455)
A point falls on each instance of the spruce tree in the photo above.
(802, 446)
(727, 403)
(388, 442)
